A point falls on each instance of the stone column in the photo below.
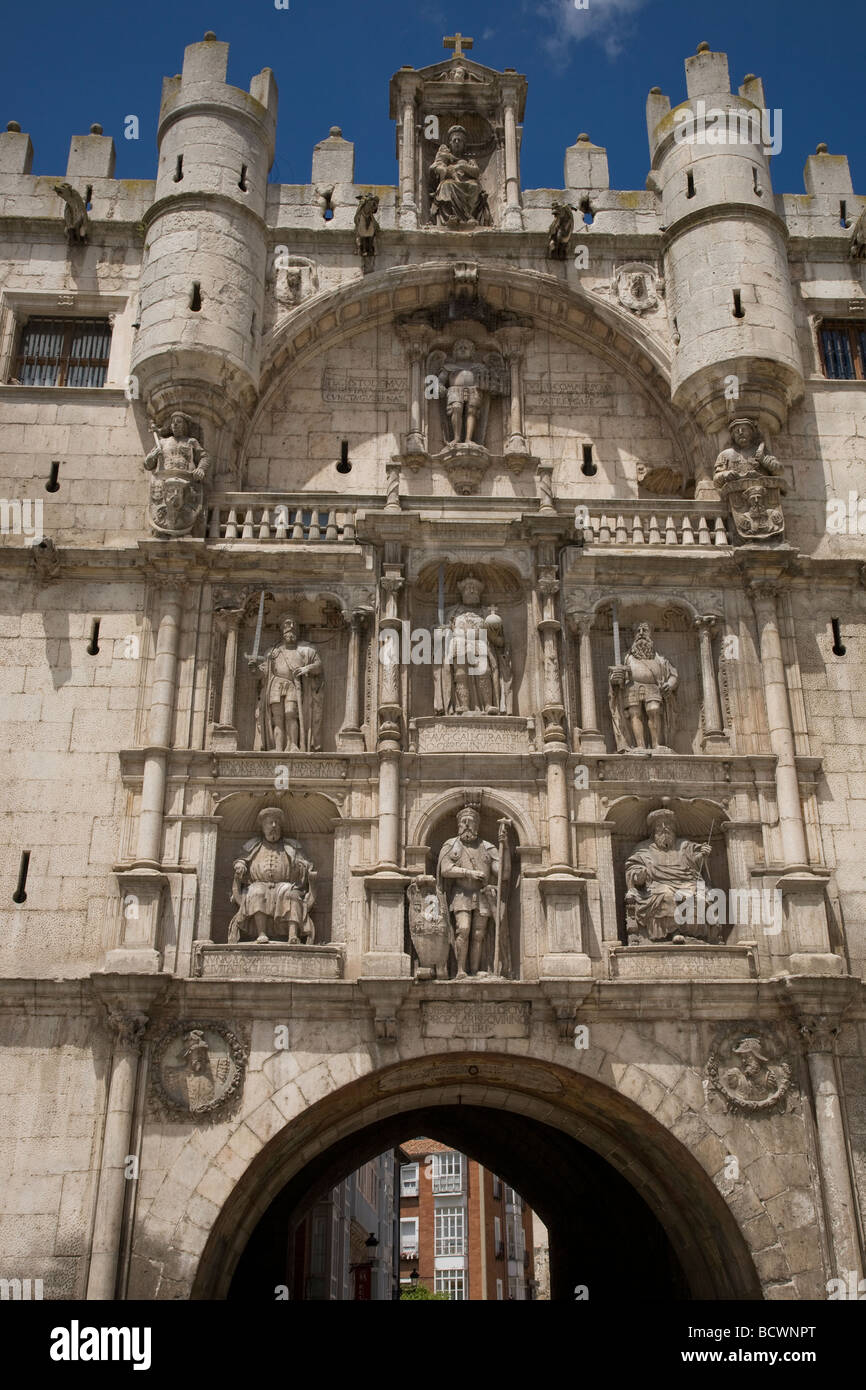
(803, 892)
(127, 1007)
(224, 734)
(141, 886)
(416, 338)
(513, 342)
(591, 739)
(820, 1032)
(159, 729)
(384, 956)
(513, 218)
(714, 735)
(408, 213)
(350, 735)
(779, 720)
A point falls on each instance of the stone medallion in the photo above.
(175, 503)
(746, 1069)
(198, 1069)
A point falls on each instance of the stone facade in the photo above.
(346, 418)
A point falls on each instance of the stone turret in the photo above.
(203, 279)
(726, 265)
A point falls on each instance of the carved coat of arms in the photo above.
(198, 1069)
(637, 287)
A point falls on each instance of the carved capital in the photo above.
(128, 1028)
(705, 623)
(416, 338)
(819, 1031)
(581, 623)
(512, 341)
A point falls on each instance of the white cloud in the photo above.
(608, 22)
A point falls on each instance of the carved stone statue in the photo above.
(560, 232)
(747, 1074)
(291, 695)
(429, 928)
(458, 198)
(366, 226)
(661, 875)
(179, 464)
(475, 673)
(750, 479)
(274, 887)
(197, 1070)
(645, 684)
(466, 386)
(468, 872)
(75, 219)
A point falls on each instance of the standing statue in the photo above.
(274, 887)
(291, 694)
(751, 481)
(661, 875)
(466, 385)
(475, 673)
(645, 683)
(457, 198)
(179, 464)
(473, 874)
(366, 227)
(75, 219)
(560, 231)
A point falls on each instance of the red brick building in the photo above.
(463, 1231)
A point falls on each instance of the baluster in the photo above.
(720, 535)
(231, 525)
(282, 520)
(703, 532)
(349, 528)
(590, 531)
(298, 528)
(213, 529)
(331, 530)
(315, 530)
(604, 531)
(621, 537)
(670, 532)
(655, 535)
(265, 526)
(247, 532)
(637, 535)
(688, 537)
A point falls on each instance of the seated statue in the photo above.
(458, 196)
(274, 887)
(661, 875)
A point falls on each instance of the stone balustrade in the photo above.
(249, 519)
(641, 526)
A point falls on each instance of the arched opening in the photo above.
(627, 1206)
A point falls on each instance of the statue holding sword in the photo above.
(291, 695)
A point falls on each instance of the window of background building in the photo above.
(497, 1237)
(451, 1281)
(497, 1187)
(62, 352)
(513, 1199)
(843, 350)
(408, 1236)
(499, 1289)
(449, 1231)
(516, 1288)
(368, 1183)
(409, 1180)
(447, 1172)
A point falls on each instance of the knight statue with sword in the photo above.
(473, 875)
(291, 695)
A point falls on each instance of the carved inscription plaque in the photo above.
(474, 1020)
(596, 394)
(364, 388)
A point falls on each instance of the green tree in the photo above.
(421, 1291)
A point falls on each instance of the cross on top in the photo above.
(456, 41)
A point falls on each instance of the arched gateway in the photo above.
(578, 1150)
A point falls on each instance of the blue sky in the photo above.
(67, 65)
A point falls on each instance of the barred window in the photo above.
(843, 350)
(62, 352)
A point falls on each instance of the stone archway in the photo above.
(573, 1122)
